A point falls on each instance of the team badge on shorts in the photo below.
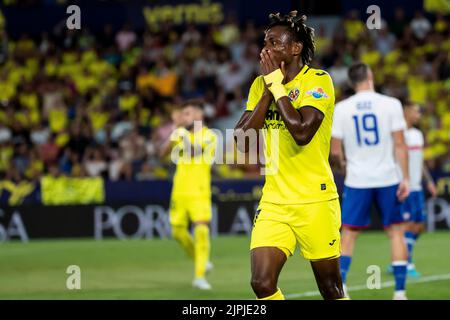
(317, 93)
(293, 94)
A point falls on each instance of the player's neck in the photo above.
(365, 86)
(364, 89)
(292, 71)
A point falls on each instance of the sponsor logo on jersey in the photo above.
(317, 93)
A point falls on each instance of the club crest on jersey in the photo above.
(317, 93)
(293, 94)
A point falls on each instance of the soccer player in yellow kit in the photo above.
(300, 202)
(193, 147)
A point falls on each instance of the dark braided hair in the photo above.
(299, 31)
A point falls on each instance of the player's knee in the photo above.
(350, 234)
(418, 228)
(178, 232)
(263, 287)
(395, 231)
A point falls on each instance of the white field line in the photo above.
(386, 284)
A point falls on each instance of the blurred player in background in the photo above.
(414, 206)
(370, 128)
(295, 103)
(193, 148)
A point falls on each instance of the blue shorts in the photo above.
(357, 204)
(413, 209)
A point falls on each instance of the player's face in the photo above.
(191, 114)
(414, 114)
(278, 41)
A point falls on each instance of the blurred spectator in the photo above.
(125, 38)
(101, 104)
(420, 25)
(398, 23)
(49, 151)
(5, 134)
(338, 72)
(385, 41)
(95, 163)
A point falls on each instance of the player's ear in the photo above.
(297, 48)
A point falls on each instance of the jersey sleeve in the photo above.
(255, 93)
(421, 138)
(337, 130)
(319, 91)
(397, 120)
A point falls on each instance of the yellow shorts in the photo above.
(315, 226)
(183, 209)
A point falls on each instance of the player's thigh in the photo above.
(413, 208)
(406, 208)
(419, 214)
(178, 212)
(271, 232)
(317, 229)
(200, 210)
(356, 205)
(389, 205)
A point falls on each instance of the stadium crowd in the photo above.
(82, 104)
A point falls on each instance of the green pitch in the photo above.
(158, 269)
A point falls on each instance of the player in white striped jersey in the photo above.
(369, 127)
(413, 208)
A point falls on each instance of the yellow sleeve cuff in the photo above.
(274, 82)
(275, 77)
(278, 91)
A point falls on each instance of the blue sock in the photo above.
(410, 239)
(345, 262)
(399, 268)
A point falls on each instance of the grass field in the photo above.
(158, 269)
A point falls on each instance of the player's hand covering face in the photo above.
(279, 50)
(269, 63)
(177, 118)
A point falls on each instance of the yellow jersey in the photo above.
(193, 174)
(298, 174)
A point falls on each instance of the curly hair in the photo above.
(299, 31)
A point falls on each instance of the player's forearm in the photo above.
(251, 120)
(256, 118)
(302, 129)
(401, 153)
(165, 149)
(426, 174)
(337, 156)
